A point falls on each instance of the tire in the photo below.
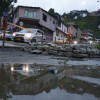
(33, 40)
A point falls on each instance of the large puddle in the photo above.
(44, 82)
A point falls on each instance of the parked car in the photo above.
(29, 35)
(24, 70)
(8, 35)
(96, 40)
(61, 40)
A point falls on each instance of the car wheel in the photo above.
(33, 40)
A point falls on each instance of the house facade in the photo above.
(87, 33)
(72, 30)
(60, 33)
(35, 17)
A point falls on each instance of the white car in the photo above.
(29, 35)
(8, 35)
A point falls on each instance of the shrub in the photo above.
(97, 46)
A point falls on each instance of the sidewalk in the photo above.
(10, 45)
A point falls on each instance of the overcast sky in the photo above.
(62, 6)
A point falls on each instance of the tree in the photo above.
(6, 5)
(51, 11)
(64, 14)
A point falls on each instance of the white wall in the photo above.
(62, 28)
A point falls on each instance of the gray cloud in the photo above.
(62, 6)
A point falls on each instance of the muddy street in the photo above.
(32, 81)
(45, 77)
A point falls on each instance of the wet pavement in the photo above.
(38, 82)
(10, 45)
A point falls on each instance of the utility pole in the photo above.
(5, 27)
(5, 14)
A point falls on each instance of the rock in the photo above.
(58, 48)
(81, 55)
(36, 52)
(52, 52)
(84, 46)
(45, 53)
(39, 47)
(51, 44)
(76, 51)
(82, 50)
(61, 54)
(22, 49)
(92, 51)
(27, 49)
(76, 47)
(65, 54)
(98, 52)
(68, 54)
(68, 49)
(47, 48)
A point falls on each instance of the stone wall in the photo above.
(77, 51)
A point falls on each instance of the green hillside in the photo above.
(89, 22)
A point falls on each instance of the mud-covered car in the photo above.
(29, 35)
(8, 35)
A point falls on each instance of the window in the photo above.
(62, 27)
(30, 13)
(54, 22)
(39, 32)
(68, 30)
(59, 23)
(74, 31)
(57, 33)
(26, 13)
(64, 30)
(35, 14)
(44, 17)
(15, 14)
(62, 35)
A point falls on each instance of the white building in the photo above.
(60, 33)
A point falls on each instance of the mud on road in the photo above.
(15, 55)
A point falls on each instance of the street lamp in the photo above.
(75, 42)
(91, 43)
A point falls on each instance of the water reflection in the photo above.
(31, 82)
(22, 69)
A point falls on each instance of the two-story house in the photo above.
(35, 17)
(87, 33)
(72, 30)
(61, 32)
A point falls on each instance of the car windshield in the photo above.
(7, 32)
(27, 31)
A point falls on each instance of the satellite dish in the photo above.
(99, 26)
(21, 23)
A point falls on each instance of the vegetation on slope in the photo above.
(89, 22)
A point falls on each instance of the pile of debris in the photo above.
(66, 50)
